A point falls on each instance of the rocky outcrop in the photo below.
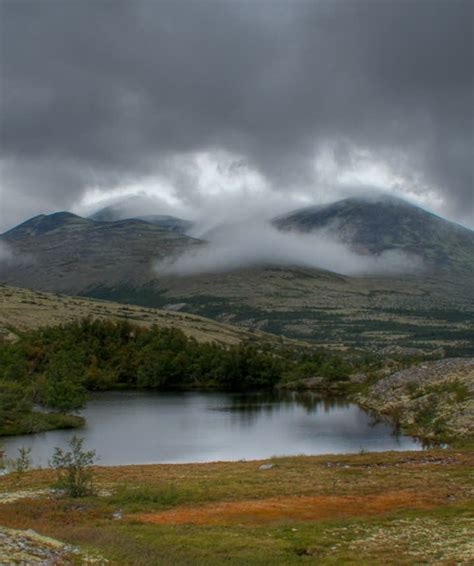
(28, 547)
(433, 400)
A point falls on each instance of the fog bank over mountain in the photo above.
(5, 252)
(370, 234)
(255, 243)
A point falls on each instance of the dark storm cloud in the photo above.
(104, 90)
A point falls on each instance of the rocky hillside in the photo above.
(434, 400)
(376, 225)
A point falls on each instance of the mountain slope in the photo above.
(64, 252)
(422, 312)
(373, 226)
(24, 309)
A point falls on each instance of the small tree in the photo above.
(74, 468)
(21, 464)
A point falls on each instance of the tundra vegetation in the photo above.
(346, 509)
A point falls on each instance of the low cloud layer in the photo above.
(194, 100)
(255, 244)
(5, 253)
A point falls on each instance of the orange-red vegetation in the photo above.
(305, 508)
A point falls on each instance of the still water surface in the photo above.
(143, 427)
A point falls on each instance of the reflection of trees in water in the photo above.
(396, 429)
(247, 407)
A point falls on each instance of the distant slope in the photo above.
(373, 226)
(339, 311)
(24, 309)
(124, 210)
(66, 253)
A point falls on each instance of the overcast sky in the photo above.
(234, 106)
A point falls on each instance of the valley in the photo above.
(306, 360)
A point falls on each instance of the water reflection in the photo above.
(248, 406)
(143, 427)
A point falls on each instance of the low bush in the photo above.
(74, 469)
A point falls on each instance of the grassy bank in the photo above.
(29, 422)
(398, 508)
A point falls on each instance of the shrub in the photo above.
(73, 468)
(21, 464)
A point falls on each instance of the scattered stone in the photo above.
(174, 306)
(10, 496)
(266, 466)
(104, 492)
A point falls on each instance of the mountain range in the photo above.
(116, 259)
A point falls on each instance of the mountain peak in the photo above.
(379, 223)
(45, 223)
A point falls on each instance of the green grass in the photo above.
(155, 497)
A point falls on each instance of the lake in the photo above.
(136, 427)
